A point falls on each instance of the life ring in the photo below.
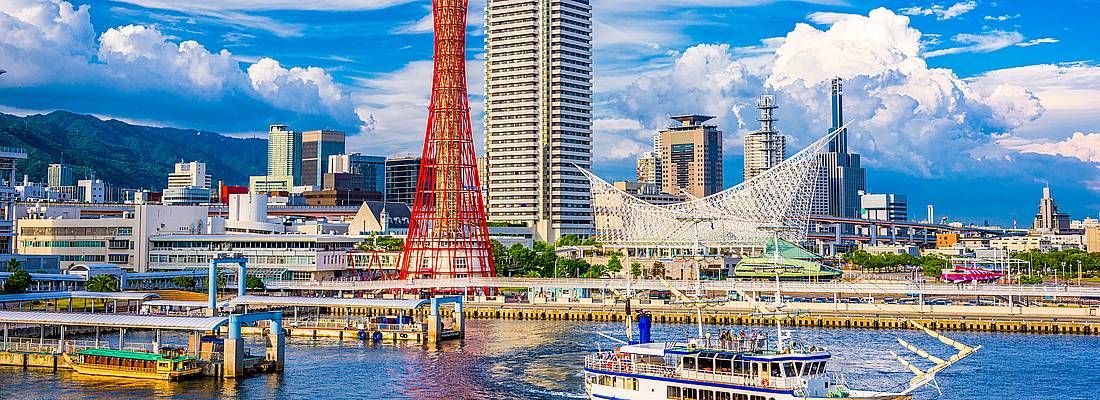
(376, 336)
(362, 335)
(404, 336)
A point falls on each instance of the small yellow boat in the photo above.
(132, 364)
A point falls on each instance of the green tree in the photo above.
(635, 269)
(568, 240)
(13, 265)
(18, 282)
(595, 272)
(252, 282)
(184, 282)
(102, 283)
(389, 243)
(614, 264)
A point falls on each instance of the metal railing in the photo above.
(607, 361)
(353, 325)
(54, 346)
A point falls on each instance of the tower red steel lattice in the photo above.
(448, 235)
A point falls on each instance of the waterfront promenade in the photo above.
(829, 288)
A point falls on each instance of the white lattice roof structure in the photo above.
(780, 196)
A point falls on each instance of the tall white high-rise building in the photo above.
(284, 153)
(538, 114)
(765, 147)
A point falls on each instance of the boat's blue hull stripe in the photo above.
(600, 396)
(674, 380)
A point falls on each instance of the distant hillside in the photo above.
(128, 156)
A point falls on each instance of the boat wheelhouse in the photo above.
(133, 364)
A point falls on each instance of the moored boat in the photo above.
(132, 364)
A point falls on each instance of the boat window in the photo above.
(689, 362)
(757, 397)
(673, 393)
(706, 364)
(706, 394)
(722, 366)
(788, 370)
(740, 396)
(722, 396)
(775, 369)
(690, 394)
(798, 368)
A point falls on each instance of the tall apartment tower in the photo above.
(60, 175)
(284, 153)
(842, 177)
(691, 157)
(538, 114)
(317, 146)
(765, 147)
(649, 169)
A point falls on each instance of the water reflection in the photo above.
(542, 360)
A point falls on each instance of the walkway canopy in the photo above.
(138, 296)
(113, 320)
(293, 301)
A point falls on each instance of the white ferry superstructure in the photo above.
(736, 367)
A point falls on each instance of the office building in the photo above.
(884, 207)
(300, 257)
(401, 175)
(270, 184)
(185, 196)
(317, 147)
(648, 169)
(691, 157)
(765, 147)
(538, 114)
(1049, 220)
(371, 168)
(842, 177)
(93, 190)
(341, 189)
(1092, 239)
(60, 175)
(120, 241)
(284, 153)
(648, 193)
(189, 174)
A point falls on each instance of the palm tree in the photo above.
(102, 283)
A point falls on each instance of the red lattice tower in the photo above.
(448, 236)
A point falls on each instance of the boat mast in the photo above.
(698, 278)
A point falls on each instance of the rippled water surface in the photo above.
(542, 360)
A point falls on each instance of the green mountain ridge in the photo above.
(126, 155)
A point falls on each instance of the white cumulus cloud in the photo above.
(1082, 146)
(51, 47)
(906, 115)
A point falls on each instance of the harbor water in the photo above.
(542, 360)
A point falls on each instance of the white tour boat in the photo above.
(739, 366)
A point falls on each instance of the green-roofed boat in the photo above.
(133, 364)
(798, 264)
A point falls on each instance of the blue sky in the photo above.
(969, 105)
